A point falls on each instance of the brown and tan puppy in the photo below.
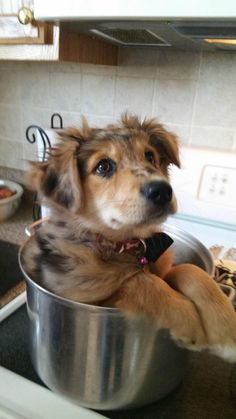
(108, 191)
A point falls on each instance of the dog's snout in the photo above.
(158, 192)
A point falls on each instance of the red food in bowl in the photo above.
(6, 192)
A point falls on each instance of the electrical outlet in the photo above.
(218, 186)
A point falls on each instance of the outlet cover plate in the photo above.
(190, 184)
(217, 185)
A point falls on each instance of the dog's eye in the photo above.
(105, 167)
(149, 156)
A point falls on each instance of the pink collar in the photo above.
(146, 251)
(132, 246)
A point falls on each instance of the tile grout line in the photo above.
(115, 86)
(80, 88)
(154, 95)
(195, 99)
(115, 91)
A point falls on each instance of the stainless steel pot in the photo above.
(97, 356)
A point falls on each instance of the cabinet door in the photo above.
(13, 32)
(47, 42)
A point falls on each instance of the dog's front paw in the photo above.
(221, 344)
(192, 338)
(216, 313)
(226, 352)
(185, 343)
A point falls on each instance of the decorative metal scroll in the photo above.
(34, 134)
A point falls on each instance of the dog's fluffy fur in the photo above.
(85, 202)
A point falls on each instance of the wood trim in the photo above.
(43, 33)
(48, 31)
(61, 45)
(76, 47)
(40, 52)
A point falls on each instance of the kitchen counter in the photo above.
(13, 229)
(12, 235)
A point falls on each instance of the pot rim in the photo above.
(63, 300)
(174, 231)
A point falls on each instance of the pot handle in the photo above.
(29, 230)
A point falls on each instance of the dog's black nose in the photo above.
(159, 192)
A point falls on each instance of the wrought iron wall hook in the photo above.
(53, 117)
(34, 133)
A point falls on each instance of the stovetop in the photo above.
(10, 274)
(12, 285)
(14, 350)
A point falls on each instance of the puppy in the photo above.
(109, 193)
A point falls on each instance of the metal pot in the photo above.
(99, 357)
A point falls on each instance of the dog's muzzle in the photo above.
(158, 193)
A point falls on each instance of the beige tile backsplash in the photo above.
(174, 100)
(134, 94)
(192, 94)
(97, 94)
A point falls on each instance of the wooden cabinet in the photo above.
(18, 26)
(47, 42)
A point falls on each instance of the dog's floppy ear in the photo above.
(58, 179)
(164, 141)
(167, 144)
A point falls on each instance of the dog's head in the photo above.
(114, 180)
